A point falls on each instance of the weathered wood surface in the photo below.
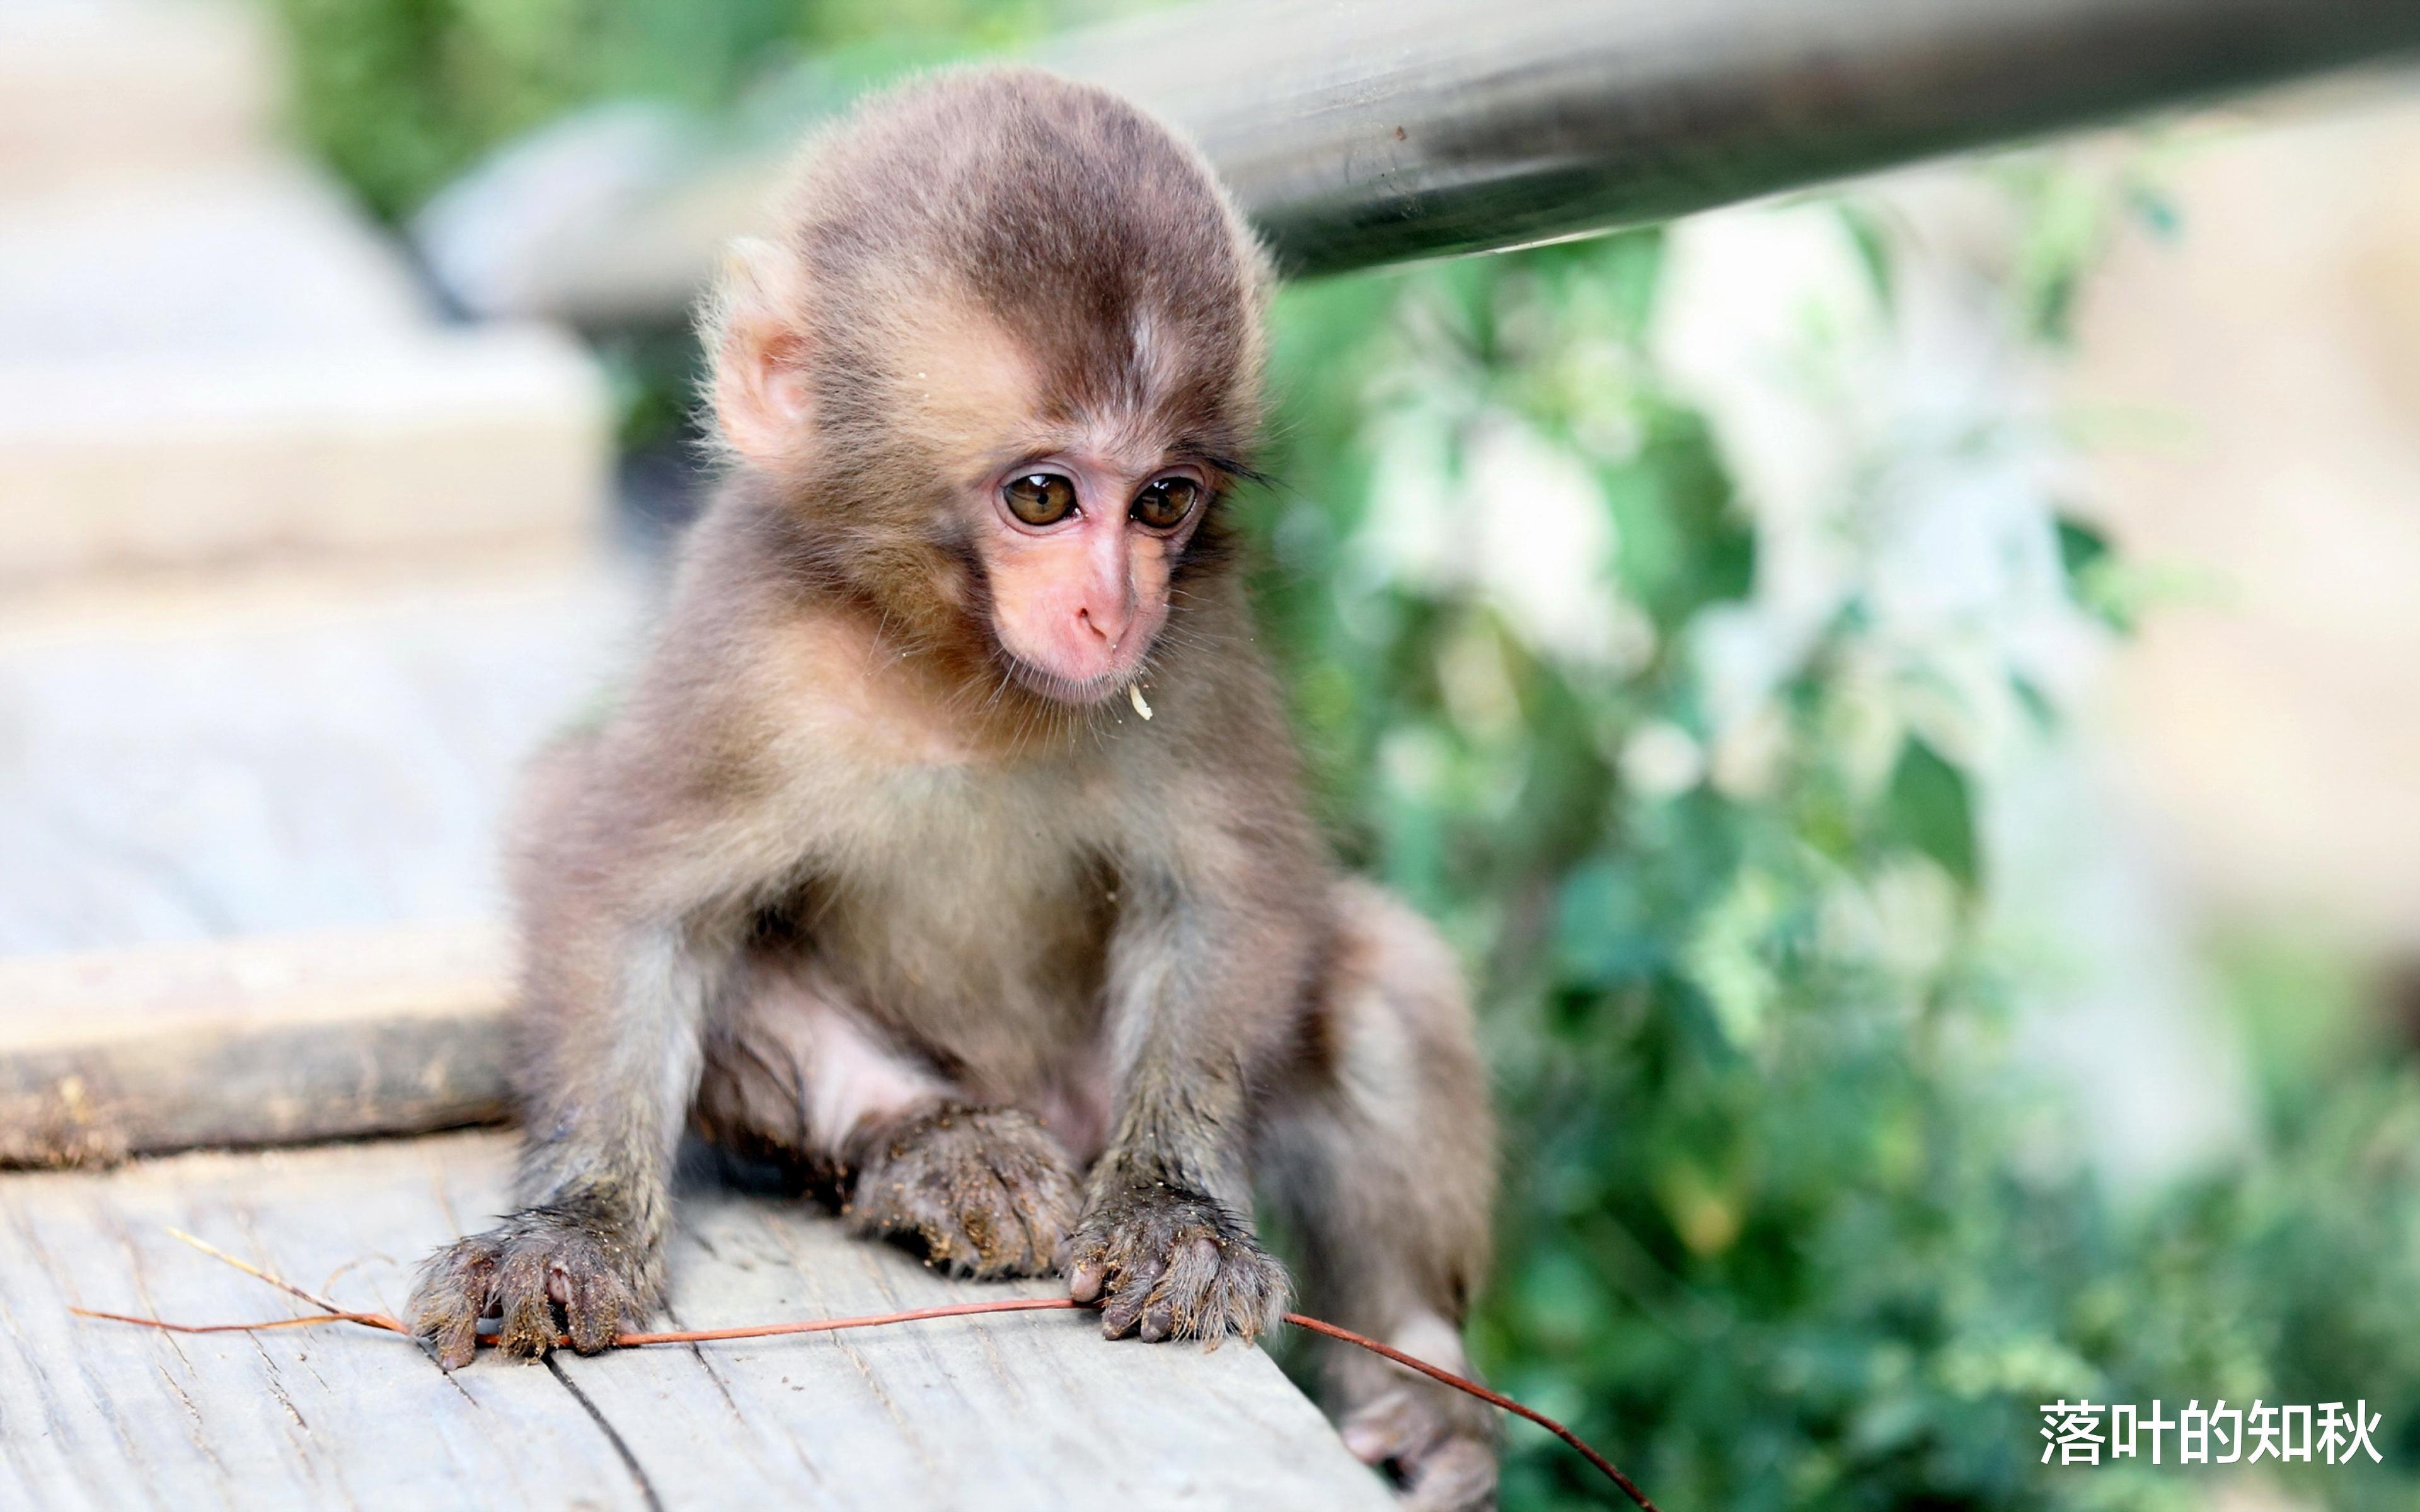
(261, 1041)
(248, 851)
(281, 754)
(1023, 1410)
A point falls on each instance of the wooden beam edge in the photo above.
(252, 1042)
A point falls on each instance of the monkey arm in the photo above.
(1217, 936)
(610, 1070)
(1201, 985)
(635, 882)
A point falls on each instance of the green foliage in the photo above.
(1783, 1229)
(1784, 1226)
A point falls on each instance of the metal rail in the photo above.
(1357, 133)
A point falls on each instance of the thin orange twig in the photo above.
(385, 1323)
(254, 1271)
(373, 1320)
(1493, 1398)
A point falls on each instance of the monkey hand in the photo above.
(522, 1270)
(1172, 1264)
(987, 1191)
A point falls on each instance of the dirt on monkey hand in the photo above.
(1166, 1263)
(521, 1271)
(987, 1192)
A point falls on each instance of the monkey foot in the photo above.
(1440, 1443)
(1173, 1265)
(987, 1192)
(523, 1271)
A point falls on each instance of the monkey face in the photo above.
(1000, 408)
(1079, 549)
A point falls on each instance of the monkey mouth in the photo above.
(1059, 688)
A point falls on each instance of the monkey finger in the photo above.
(1085, 1279)
(1158, 1319)
(458, 1345)
(1133, 1289)
(451, 1336)
(595, 1311)
(527, 1329)
(446, 1305)
(528, 1316)
(1248, 1301)
(1177, 1303)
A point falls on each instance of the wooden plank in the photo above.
(96, 1415)
(249, 1041)
(1031, 1409)
(1028, 1411)
(102, 90)
(247, 847)
(280, 752)
(454, 442)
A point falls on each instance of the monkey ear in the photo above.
(762, 401)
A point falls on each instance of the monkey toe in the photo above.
(1166, 1265)
(985, 1192)
(1441, 1443)
(1456, 1474)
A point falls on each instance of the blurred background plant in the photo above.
(1691, 619)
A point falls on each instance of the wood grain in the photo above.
(1022, 1410)
(282, 752)
(248, 846)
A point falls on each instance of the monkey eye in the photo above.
(1164, 502)
(1040, 497)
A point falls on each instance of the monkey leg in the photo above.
(1380, 1155)
(793, 1077)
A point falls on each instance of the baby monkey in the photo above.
(888, 868)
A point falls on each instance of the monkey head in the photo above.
(1000, 359)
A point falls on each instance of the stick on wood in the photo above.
(331, 1313)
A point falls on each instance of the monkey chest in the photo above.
(961, 909)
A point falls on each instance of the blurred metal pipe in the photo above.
(1361, 132)
(1357, 133)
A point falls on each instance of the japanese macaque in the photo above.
(950, 840)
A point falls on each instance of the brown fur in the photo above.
(832, 886)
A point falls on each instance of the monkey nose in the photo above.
(1107, 625)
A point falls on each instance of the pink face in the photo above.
(1079, 549)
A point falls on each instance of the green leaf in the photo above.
(2080, 546)
(1927, 809)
